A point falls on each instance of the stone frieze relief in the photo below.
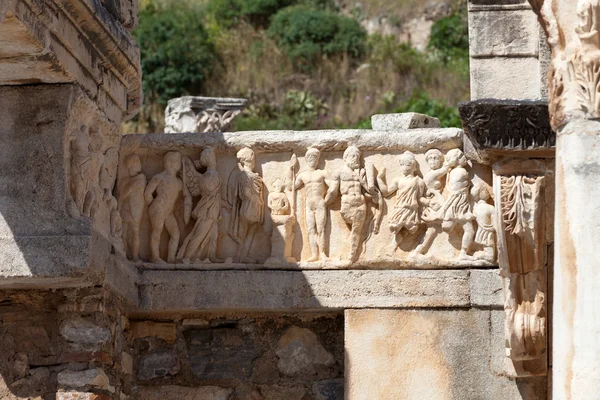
(211, 208)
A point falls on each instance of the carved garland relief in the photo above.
(349, 212)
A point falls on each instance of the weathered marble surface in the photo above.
(421, 216)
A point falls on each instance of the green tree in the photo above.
(177, 55)
(306, 33)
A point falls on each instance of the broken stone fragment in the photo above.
(386, 122)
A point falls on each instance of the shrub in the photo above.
(450, 37)
(305, 33)
(176, 52)
(228, 13)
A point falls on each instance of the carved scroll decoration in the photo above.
(522, 256)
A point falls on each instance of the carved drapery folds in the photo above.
(310, 208)
(520, 208)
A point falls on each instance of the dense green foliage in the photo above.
(303, 64)
(228, 13)
(450, 37)
(305, 33)
(176, 51)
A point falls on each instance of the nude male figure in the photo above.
(168, 187)
(316, 186)
(350, 180)
(131, 204)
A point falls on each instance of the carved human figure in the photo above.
(108, 177)
(201, 242)
(485, 215)
(350, 181)
(168, 187)
(96, 164)
(245, 190)
(283, 221)
(431, 214)
(315, 182)
(131, 205)
(457, 210)
(410, 193)
(81, 173)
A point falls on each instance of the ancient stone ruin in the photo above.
(406, 261)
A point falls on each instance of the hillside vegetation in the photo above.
(303, 64)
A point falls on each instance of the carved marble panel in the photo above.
(309, 206)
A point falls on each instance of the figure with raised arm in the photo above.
(457, 210)
(410, 193)
(351, 181)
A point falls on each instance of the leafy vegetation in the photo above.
(301, 63)
(177, 53)
(305, 34)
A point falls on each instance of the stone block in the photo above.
(221, 353)
(505, 78)
(503, 33)
(158, 365)
(84, 332)
(95, 378)
(486, 288)
(299, 349)
(277, 392)
(172, 392)
(81, 396)
(433, 355)
(161, 330)
(331, 389)
(293, 290)
(386, 122)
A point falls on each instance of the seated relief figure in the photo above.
(351, 181)
(410, 193)
(201, 243)
(168, 187)
(316, 184)
(245, 190)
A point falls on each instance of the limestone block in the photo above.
(299, 349)
(386, 122)
(289, 290)
(503, 33)
(486, 288)
(79, 42)
(505, 78)
(433, 355)
(171, 392)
